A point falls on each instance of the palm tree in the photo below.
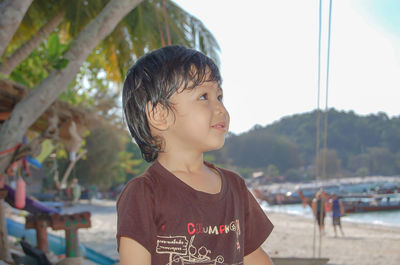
(138, 28)
(140, 32)
(32, 106)
(49, 14)
(12, 13)
(22, 52)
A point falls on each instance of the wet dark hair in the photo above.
(154, 78)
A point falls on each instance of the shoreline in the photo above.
(388, 218)
(344, 220)
(363, 243)
(275, 187)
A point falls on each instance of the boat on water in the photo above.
(294, 196)
(357, 203)
(358, 197)
(277, 198)
(371, 203)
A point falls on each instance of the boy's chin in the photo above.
(215, 147)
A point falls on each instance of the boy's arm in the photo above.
(257, 257)
(133, 253)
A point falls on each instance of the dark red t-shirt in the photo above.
(180, 225)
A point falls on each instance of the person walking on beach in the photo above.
(76, 190)
(337, 212)
(184, 210)
(318, 209)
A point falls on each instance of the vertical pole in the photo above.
(41, 235)
(72, 244)
(318, 121)
(326, 114)
(4, 251)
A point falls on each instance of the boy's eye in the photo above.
(204, 97)
(220, 97)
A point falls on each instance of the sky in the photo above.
(269, 56)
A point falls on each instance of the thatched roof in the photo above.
(11, 93)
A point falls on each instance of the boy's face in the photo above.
(201, 120)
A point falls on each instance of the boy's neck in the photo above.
(186, 163)
(191, 170)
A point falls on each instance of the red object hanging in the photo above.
(20, 193)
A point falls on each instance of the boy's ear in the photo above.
(157, 116)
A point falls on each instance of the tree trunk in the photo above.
(4, 252)
(34, 104)
(9, 64)
(11, 14)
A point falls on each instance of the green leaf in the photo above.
(53, 47)
(61, 63)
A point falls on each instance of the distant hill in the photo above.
(357, 145)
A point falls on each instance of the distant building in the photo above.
(258, 174)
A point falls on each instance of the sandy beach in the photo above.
(362, 245)
(292, 237)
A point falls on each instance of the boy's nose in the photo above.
(219, 107)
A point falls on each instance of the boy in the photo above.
(183, 210)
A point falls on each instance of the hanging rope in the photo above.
(327, 89)
(318, 121)
(326, 112)
(160, 31)
(166, 22)
(317, 148)
(12, 149)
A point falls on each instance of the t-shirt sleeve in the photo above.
(135, 214)
(257, 225)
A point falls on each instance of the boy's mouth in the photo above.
(219, 126)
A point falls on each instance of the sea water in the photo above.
(386, 218)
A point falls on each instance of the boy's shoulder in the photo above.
(147, 176)
(142, 184)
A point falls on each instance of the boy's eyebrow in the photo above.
(219, 89)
